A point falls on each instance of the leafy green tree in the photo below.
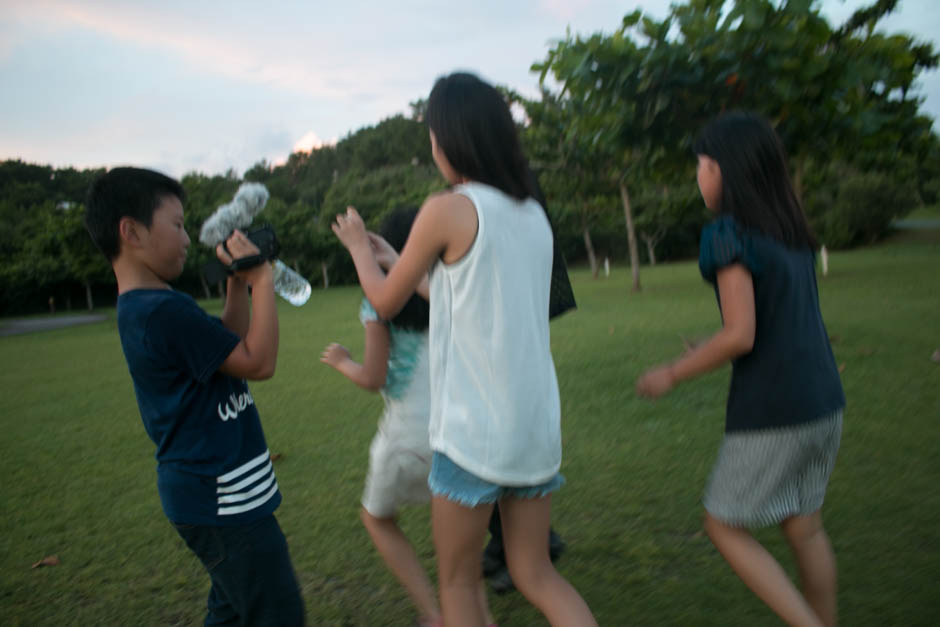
(376, 192)
(569, 168)
(623, 93)
(644, 90)
(37, 266)
(83, 262)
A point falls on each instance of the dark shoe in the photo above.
(493, 563)
(497, 573)
(556, 546)
(501, 582)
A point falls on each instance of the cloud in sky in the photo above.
(181, 85)
(310, 141)
(228, 48)
(563, 9)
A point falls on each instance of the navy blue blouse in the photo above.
(790, 375)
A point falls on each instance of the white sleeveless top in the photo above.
(495, 409)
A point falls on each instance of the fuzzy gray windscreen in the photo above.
(248, 202)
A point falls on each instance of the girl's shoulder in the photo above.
(441, 209)
(725, 242)
(444, 198)
(450, 220)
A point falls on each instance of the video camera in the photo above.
(266, 241)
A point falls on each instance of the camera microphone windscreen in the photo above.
(249, 200)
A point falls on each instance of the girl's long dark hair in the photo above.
(755, 185)
(395, 229)
(474, 128)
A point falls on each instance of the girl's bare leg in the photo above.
(401, 559)
(458, 539)
(484, 604)
(761, 573)
(525, 537)
(817, 563)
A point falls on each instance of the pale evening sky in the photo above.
(182, 85)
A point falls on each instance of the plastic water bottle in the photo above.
(289, 285)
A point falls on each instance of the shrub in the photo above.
(856, 208)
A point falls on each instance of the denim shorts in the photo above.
(455, 484)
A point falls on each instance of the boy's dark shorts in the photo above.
(253, 580)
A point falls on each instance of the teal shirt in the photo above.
(407, 347)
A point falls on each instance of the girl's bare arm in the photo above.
(371, 373)
(736, 337)
(445, 228)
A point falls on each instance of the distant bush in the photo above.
(930, 192)
(855, 208)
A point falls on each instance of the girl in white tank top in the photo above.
(495, 412)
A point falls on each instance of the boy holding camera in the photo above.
(214, 472)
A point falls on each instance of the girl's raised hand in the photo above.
(656, 382)
(350, 229)
(385, 255)
(334, 354)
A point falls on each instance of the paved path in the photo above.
(922, 223)
(16, 326)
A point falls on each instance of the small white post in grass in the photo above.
(606, 267)
(824, 255)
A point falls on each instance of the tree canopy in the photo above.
(609, 135)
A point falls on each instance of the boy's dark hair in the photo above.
(120, 192)
(395, 229)
(755, 185)
(475, 130)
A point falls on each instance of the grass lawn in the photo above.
(79, 481)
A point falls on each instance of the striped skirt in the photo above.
(763, 477)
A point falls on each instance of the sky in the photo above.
(194, 85)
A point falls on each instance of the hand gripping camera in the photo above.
(266, 241)
(248, 202)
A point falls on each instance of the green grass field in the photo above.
(78, 471)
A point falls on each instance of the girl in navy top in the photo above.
(784, 414)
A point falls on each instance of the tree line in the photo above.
(609, 137)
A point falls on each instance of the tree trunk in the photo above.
(326, 274)
(659, 233)
(798, 180)
(91, 303)
(631, 236)
(220, 286)
(205, 286)
(650, 248)
(592, 258)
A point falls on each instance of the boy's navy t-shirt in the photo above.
(213, 466)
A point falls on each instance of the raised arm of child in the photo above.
(386, 256)
(371, 373)
(255, 357)
(445, 229)
(236, 312)
(736, 337)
